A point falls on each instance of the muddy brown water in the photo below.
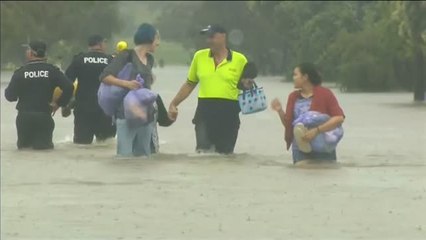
(377, 191)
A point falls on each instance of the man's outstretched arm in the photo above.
(183, 93)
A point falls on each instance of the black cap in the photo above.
(210, 30)
(38, 47)
(95, 40)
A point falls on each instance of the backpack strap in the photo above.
(129, 53)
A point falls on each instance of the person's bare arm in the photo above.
(281, 114)
(183, 93)
(331, 124)
(108, 75)
(111, 80)
(336, 113)
(245, 84)
(277, 106)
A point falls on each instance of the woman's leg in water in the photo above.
(301, 158)
(125, 139)
(142, 144)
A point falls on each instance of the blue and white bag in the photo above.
(253, 100)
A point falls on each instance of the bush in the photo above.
(365, 61)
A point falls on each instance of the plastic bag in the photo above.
(138, 105)
(323, 142)
(109, 96)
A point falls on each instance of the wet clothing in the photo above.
(217, 122)
(315, 156)
(217, 118)
(35, 130)
(301, 106)
(90, 124)
(217, 81)
(32, 86)
(134, 141)
(120, 61)
(323, 101)
(141, 146)
(89, 119)
(163, 120)
(86, 67)
(163, 117)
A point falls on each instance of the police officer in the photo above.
(89, 119)
(32, 86)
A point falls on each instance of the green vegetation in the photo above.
(64, 25)
(360, 45)
(172, 54)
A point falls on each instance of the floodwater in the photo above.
(377, 191)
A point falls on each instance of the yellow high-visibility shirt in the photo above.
(217, 82)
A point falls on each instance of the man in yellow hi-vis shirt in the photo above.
(217, 70)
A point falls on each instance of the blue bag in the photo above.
(323, 142)
(253, 100)
(109, 96)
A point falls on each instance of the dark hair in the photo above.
(313, 75)
(145, 34)
(39, 53)
(38, 48)
(95, 40)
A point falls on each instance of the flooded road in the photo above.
(378, 190)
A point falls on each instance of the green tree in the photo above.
(60, 21)
(356, 44)
(412, 19)
(367, 59)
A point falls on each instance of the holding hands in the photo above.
(173, 112)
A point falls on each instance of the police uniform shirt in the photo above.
(86, 68)
(33, 84)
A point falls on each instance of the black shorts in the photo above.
(35, 130)
(217, 123)
(90, 124)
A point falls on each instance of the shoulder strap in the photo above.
(129, 54)
(150, 60)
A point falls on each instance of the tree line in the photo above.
(361, 45)
(63, 25)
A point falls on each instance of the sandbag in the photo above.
(109, 96)
(138, 105)
(323, 142)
